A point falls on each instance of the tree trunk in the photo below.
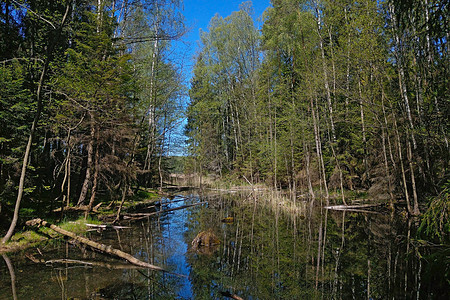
(416, 210)
(386, 168)
(363, 128)
(50, 48)
(66, 174)
(347, 74)
(24, 168)
(308, 172)
(272, 135)
(99, 15)
(325, 73)
(95, 179)
(401, 73)
(319, 149)
(68, 181)
(341, 177)
(13, 276)
(90, 150)
(400, 157)
(124, 194)
(151, 111)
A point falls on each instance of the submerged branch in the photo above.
(110, 266)
(101, 247)
(344, 207)
(136, 216)
(356, 208)
(106, 226)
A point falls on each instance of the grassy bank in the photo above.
(29, 238)
(75, 223)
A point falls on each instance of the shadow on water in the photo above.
(265, 252)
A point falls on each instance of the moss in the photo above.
(23, 238)
(29, 238)
(146, 194)
(106, 212)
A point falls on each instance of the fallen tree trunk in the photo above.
(65, 261)
(144, 215)
(232, 296)
(106, 226)
(102, 247)
(81, 208)
(362, 208)
(359, 206)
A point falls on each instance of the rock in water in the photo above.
(205, 239)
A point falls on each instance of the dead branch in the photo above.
(136, 216)
(232, 296)
(363, 208)
(81, 208)
(104, 226)
(360, 206)
(92, 263)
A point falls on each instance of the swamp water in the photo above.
(266, 252)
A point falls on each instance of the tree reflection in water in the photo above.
(266, 251)
(12, 275)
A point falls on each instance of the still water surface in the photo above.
(266, 252)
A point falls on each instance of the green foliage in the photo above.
(16, 106)
(337, 94)
(223, 92)
(77, 226)
(343, 94)
(145, 195)
(27, 213)
(435, 222)
(176, 164)
(26, 238)
(90, 75)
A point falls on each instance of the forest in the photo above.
(329, 97)
(325, 99)
(89, 99)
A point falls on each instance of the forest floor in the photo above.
(75, 223)
(30, 238)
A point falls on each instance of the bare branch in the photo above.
(150, 38)
(20, 58)
(35, 13)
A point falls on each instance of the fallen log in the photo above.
(106, 226)
(355, 206)
(230, 295)
(222, 190)
(65, 261)
(357, 210)
(160, 203)
(101, 247)
(144, 215)
(81, 208)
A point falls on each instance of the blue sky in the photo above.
(198, 13)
